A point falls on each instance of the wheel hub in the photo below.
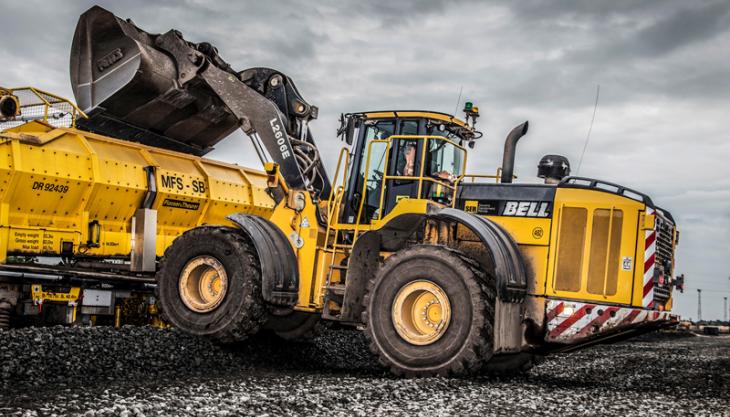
(421, 312)
(203, 284)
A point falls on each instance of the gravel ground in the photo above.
(148, 372)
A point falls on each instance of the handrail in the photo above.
(497, 177)
(32, 98)
(421, 177)
(333, 212)
(595, 184)
(425, 178)
(343, 152)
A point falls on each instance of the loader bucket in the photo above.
(130, 90)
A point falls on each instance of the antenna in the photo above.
(458, 100)
(699, 305)
(590, 128)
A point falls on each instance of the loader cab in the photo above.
(397, 155)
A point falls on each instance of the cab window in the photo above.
(379, 130)
(445, 159)
(373, 182)
(407, 158)
(362, 186)
(409, 127)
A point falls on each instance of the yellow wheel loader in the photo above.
(447, 272)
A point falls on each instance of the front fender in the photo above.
(279, 270)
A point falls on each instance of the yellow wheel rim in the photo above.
(203, 284)
(421, 312)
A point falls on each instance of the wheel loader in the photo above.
(446, 272)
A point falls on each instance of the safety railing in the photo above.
(497, 179)
(35, 104)
(334, 203)
(421, 178)
(335, 198)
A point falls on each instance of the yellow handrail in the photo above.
(343, 152)
(42, 98)
(421, 177)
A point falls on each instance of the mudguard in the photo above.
(279, 270)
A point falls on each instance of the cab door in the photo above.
(368, 167)
(593, 246)
(367, 170)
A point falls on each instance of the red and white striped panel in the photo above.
(570, 321)
(649, 263)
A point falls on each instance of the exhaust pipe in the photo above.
(510, 147)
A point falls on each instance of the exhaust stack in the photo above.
(510, 147)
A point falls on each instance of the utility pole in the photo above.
(699, 305)
(724, 309)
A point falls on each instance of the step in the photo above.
(336, 289)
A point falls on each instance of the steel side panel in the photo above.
(525, 230)
(591, 200)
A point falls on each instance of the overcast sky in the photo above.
(663, 69)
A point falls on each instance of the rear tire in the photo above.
(410, 286)
(223, 300)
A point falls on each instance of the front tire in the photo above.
(429, 311)
(209, 284)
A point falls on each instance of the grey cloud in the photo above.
(685, 27)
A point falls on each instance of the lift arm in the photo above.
(258, 99)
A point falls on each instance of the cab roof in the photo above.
(389, 114)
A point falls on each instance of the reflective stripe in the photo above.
(569, 322)
(649, 263)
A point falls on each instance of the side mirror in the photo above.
(350, 129)
(679, 283)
